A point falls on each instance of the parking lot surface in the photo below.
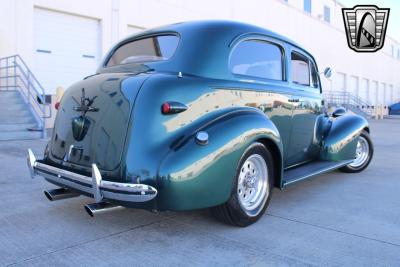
(333, 219)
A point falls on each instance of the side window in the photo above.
(300, 69)
(314, 76)
(258, 59)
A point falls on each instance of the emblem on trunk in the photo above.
(86, 103)
(80, 124)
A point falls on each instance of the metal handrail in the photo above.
(23, 82)
(346, 98)
(28, 75)
(350, 101)
(27, 84)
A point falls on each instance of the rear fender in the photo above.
(198, 176)
(341, 139)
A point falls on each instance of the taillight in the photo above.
(165, 108)
(172, 107)
(57, 105)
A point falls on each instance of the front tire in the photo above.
(251, 190)
(364, 153)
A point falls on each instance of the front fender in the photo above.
(198, 176)
(341, 140)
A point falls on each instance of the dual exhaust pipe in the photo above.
(91, 209)
(60, 193)
(101, 207)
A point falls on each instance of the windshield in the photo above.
(155, 48)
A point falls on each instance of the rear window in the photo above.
(156, 48)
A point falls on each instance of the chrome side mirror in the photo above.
(328, 72)
(339, 112)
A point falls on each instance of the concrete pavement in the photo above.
(334, 219)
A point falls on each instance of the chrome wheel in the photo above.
(253, 188)
(362, 153)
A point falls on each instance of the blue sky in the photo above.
(393, 29)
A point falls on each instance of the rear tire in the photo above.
(364, 154)
(251, 190)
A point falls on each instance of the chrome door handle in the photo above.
(292, 100)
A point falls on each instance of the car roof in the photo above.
(227, 26)
(203, 48)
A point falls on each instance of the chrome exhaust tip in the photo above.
(101, 207)
(60, 193)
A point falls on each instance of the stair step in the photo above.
(14, 113)
(9, 92)
(14, 119)
(16, 116)
(13, 107)
(11, 100)
(19, 135)
(16, 127)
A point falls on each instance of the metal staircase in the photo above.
(23, 108)
(349, 101)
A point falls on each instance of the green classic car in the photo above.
(210, 114)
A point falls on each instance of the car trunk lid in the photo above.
(93, 119)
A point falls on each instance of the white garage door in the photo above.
(364, 90)
(66, 48)
(340, 82)
(373, 93)
(381, 94)
(390, 97)
(353, 85)
(397, 94)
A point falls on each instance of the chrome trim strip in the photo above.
(94, 185)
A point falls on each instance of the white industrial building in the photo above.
(62, 41)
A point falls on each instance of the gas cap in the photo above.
(202, 138)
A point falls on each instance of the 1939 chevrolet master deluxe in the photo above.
(195, 115)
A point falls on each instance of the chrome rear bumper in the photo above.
(94, 185)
